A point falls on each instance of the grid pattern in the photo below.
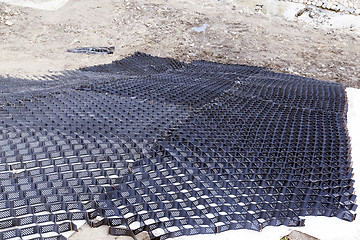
(153, 144)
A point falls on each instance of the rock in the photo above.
(297, 235)
(7, 10)
(341, 7)
(312, 14)
(9, 23)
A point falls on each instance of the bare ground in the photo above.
(36, 41)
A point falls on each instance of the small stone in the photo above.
(297, 235)
(7, 10)
(341, 7)
(312, 14)
(9, 23)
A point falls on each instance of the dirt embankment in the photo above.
(35, 42)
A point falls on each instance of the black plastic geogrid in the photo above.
(153, 144)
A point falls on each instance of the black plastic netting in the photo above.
(153, 144)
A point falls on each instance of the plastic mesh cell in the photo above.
(153, 144)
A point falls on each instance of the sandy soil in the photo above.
(35, 42)
(39, 4)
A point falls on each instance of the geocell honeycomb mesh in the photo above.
(153, 144)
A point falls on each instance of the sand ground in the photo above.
(35, 42)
